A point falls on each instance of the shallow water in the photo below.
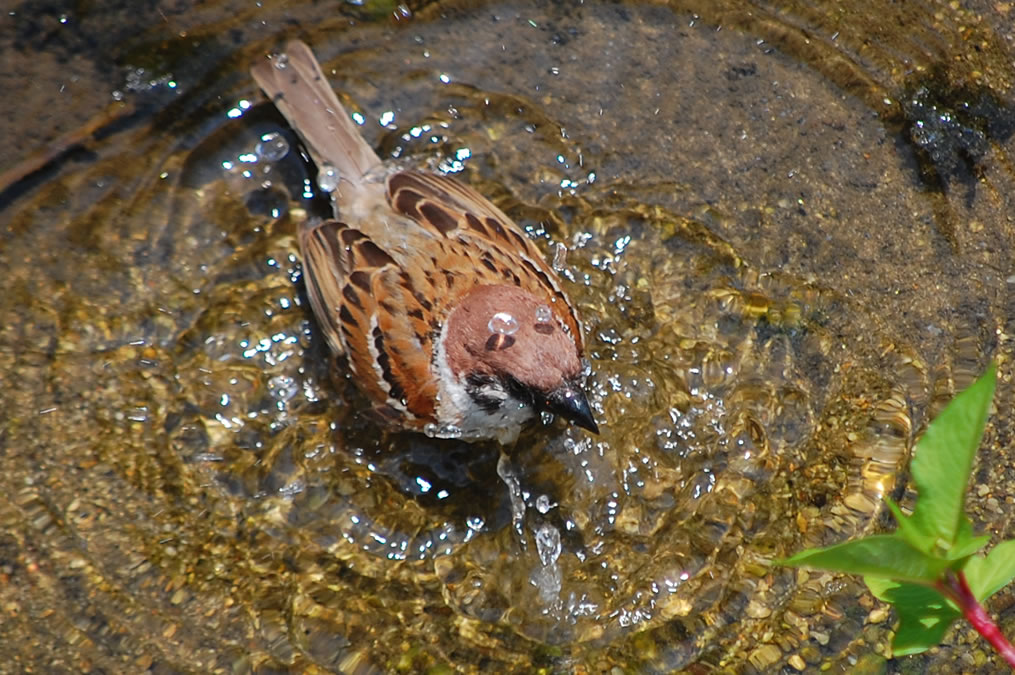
(789, 237)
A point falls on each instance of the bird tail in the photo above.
(294, 82)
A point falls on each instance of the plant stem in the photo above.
(957, 588)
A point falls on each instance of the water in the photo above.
(784, 275)
(327, 178)
(273, 147)
(503, 323)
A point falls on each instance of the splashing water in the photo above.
(548, 544)
(442, 430)
(507, 473)
(281, 61)
(283, 387)
(503, 323)
(559, 258)
(548, 578)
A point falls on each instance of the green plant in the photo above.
(929, 568)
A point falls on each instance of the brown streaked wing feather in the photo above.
(370, 309)
(340, 309)
(325, 271)
(408, 352)
(442, 191)
(503, 253)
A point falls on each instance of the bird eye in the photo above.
(499, 341)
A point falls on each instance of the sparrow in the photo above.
(452, 322)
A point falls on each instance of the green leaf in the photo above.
(965, 543)
(884, 555)
(909, 531)
(944, 459)
(964, 546)
(924, 614)
(986, 576)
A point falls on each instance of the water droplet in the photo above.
(560, 258)
(442, 430)
(283, 387)
(548, 544)
(281, 61)
(507, 473)
(543, 504)
(450, 431)
(273, 147)
(503, 323)
(544, 314)
(327, 178)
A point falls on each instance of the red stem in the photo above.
(957, 588)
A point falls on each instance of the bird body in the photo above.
(452, 321)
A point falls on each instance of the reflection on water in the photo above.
(779, 294)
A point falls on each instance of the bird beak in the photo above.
(569, 401)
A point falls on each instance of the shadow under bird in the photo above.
(451, 319)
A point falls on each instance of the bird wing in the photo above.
(371, 310)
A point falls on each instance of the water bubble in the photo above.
(272, 148)
(544, 314)
(503, 323)
(281, 61)
(327, 178)
(543, 504)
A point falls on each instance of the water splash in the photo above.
(547, 579)
(442, 430)
(506, 471)
(283, 388)
(281, 61)
(560, 258)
